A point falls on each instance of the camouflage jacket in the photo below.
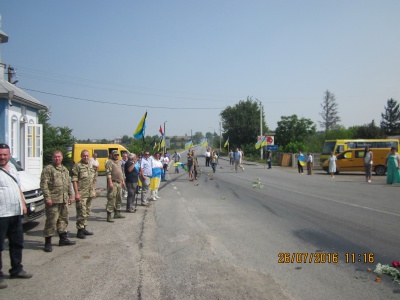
(83, 174)
(55, 184)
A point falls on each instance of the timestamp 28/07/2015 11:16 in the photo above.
(325, 257)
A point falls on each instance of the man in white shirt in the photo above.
(12, 207)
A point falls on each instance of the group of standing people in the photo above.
(303, 160)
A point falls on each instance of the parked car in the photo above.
(353, 160)
(34, 199)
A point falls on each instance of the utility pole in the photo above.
(220, 133)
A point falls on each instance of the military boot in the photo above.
(117, 215)
(80, 234)
(47, 244)
(109, 218)
(86, 232)
(64, 241)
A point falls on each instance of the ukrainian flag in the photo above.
(189, 145)
(140, 130)
(262, 142)
(204, 143)
(226, 143)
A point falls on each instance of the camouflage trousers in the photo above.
(83, 209)
(56, 218)
(114, 197)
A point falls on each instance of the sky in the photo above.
(100, 65)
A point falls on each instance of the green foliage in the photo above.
(340, 133)
(368, 131)
(137, 146)
(241, 123)
(294, 147)
(390, 122)
(291, 129)
(55, 138)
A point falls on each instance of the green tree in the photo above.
(369, 131)
(329, 114)
(126, 140)
(390, 122)
(241, 123)
(55, 138)
(291, 129)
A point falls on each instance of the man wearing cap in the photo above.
(132, 169)
(115, 181)
(145, 175)
(12, 206)
(57, 192)
(82, 180)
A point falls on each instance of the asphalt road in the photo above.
(220, 238)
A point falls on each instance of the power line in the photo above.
(120, 104)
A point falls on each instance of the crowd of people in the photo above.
(132, 175)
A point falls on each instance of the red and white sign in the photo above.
(270, 140)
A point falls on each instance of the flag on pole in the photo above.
(262, 142)
(162, 144)
(226, 143)
(154, 144)
(204, 143)
(161, 132)
(140, 130)
(189, 145)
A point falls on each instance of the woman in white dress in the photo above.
(332, 165)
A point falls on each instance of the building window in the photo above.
(14, 136)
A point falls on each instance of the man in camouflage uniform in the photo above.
(115, 183)
(82, 180)
(57, 192)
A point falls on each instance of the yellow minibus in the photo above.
(102, 150)
(338, 146)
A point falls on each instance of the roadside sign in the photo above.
(272, 147)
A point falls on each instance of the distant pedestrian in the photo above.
(157, 170)
(269, 159)
(12, 207)
(165, 161)
(195, 164)
(177, 158)
(190, 165)
(214, 161)
(393, 166)
(332, 165)
(208, 155)
(236, 155)
(123, 162)
(368, 156)
(132, 169)
(231, 158)
(300, 162)
(309, 163)
(145, 175)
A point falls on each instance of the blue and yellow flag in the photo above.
(204, 143)
(140, 130)
(189, 145)
(162, 144)
(262, 142)
(154, 144)
(226, 143)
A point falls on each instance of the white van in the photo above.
(34, 199)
